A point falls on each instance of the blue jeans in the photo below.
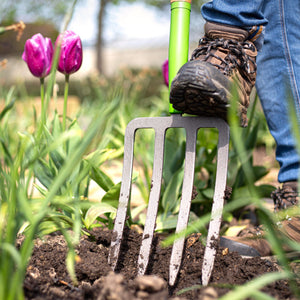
(278, 66)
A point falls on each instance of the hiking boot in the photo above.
(204, 84)
(248, 243)
(253, 242)
(285, 198)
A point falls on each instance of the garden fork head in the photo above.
(160, 125)
(178, 54)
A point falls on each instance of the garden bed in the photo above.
(47, 277)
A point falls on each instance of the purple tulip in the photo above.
(38, 53)
(165, 71)
(70, 59)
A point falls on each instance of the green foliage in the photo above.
(60, 167)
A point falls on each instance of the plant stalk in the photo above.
(65, 101)
(42, 91)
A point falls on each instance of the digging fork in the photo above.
(178, 55)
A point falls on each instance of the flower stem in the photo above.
(65, 101)
(42, 89)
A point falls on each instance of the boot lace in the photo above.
(236, 56)
(284, 197)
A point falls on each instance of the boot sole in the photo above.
(242, 249)
(201, 89)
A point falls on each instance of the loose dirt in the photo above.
(47, 276)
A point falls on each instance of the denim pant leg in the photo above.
(278, 71)
(246, 13)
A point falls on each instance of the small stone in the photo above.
(52, 274)
(142, 295)
(34, 272)
(208, 293)
(55, 291)
(86, 285)
(193, 239)
(112, 287)
(150, 283)
(225, 251)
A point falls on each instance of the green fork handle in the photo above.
(179, 39)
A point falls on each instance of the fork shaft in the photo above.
(179, 39)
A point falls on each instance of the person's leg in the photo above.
(278, 77)
(278, 66)
(201, 85)
(236, 13)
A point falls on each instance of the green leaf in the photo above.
(57, 159)
(55, 221)
(13, 252)
(56, 126)
(168, 223)
(100, 156)
(251, 139)
(113, 193)
(241, 192)
(101, 179)
(259, 172)
(70, 264)
(137, 210)
(64, 203)
(44, 173)
(171, 194)
(208, 193)
(8, 157)
(265, 190)
(173, 158)
(96, 211)
(74, 141)
(211, 155)
(7, 108)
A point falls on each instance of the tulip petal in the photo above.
(165, 71)
(38, 53)
(71, 53)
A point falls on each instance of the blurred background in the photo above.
(115, 34)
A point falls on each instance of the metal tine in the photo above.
(218, 202)
(185, 204)
(124, 195)
(153, 200)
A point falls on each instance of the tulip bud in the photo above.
(38, 53)
(165, 71)
(70, 59)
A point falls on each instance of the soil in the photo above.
(47, 276)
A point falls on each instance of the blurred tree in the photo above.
(103, 4)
